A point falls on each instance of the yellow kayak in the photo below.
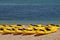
(29, 31)
(1, 30)
(53, 28)
(48, 31)
(58, 26)
(19, 29)
(40, 31)
(7, 30)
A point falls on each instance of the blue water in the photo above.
(30, 14)
(30, 1)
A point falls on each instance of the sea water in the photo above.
(29, 14)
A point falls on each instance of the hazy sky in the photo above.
(30, 1)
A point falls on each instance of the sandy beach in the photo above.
(52, 36)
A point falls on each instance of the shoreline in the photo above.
(28, 22)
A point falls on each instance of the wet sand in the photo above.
(52, 36)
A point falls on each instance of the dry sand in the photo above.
(52, 36)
